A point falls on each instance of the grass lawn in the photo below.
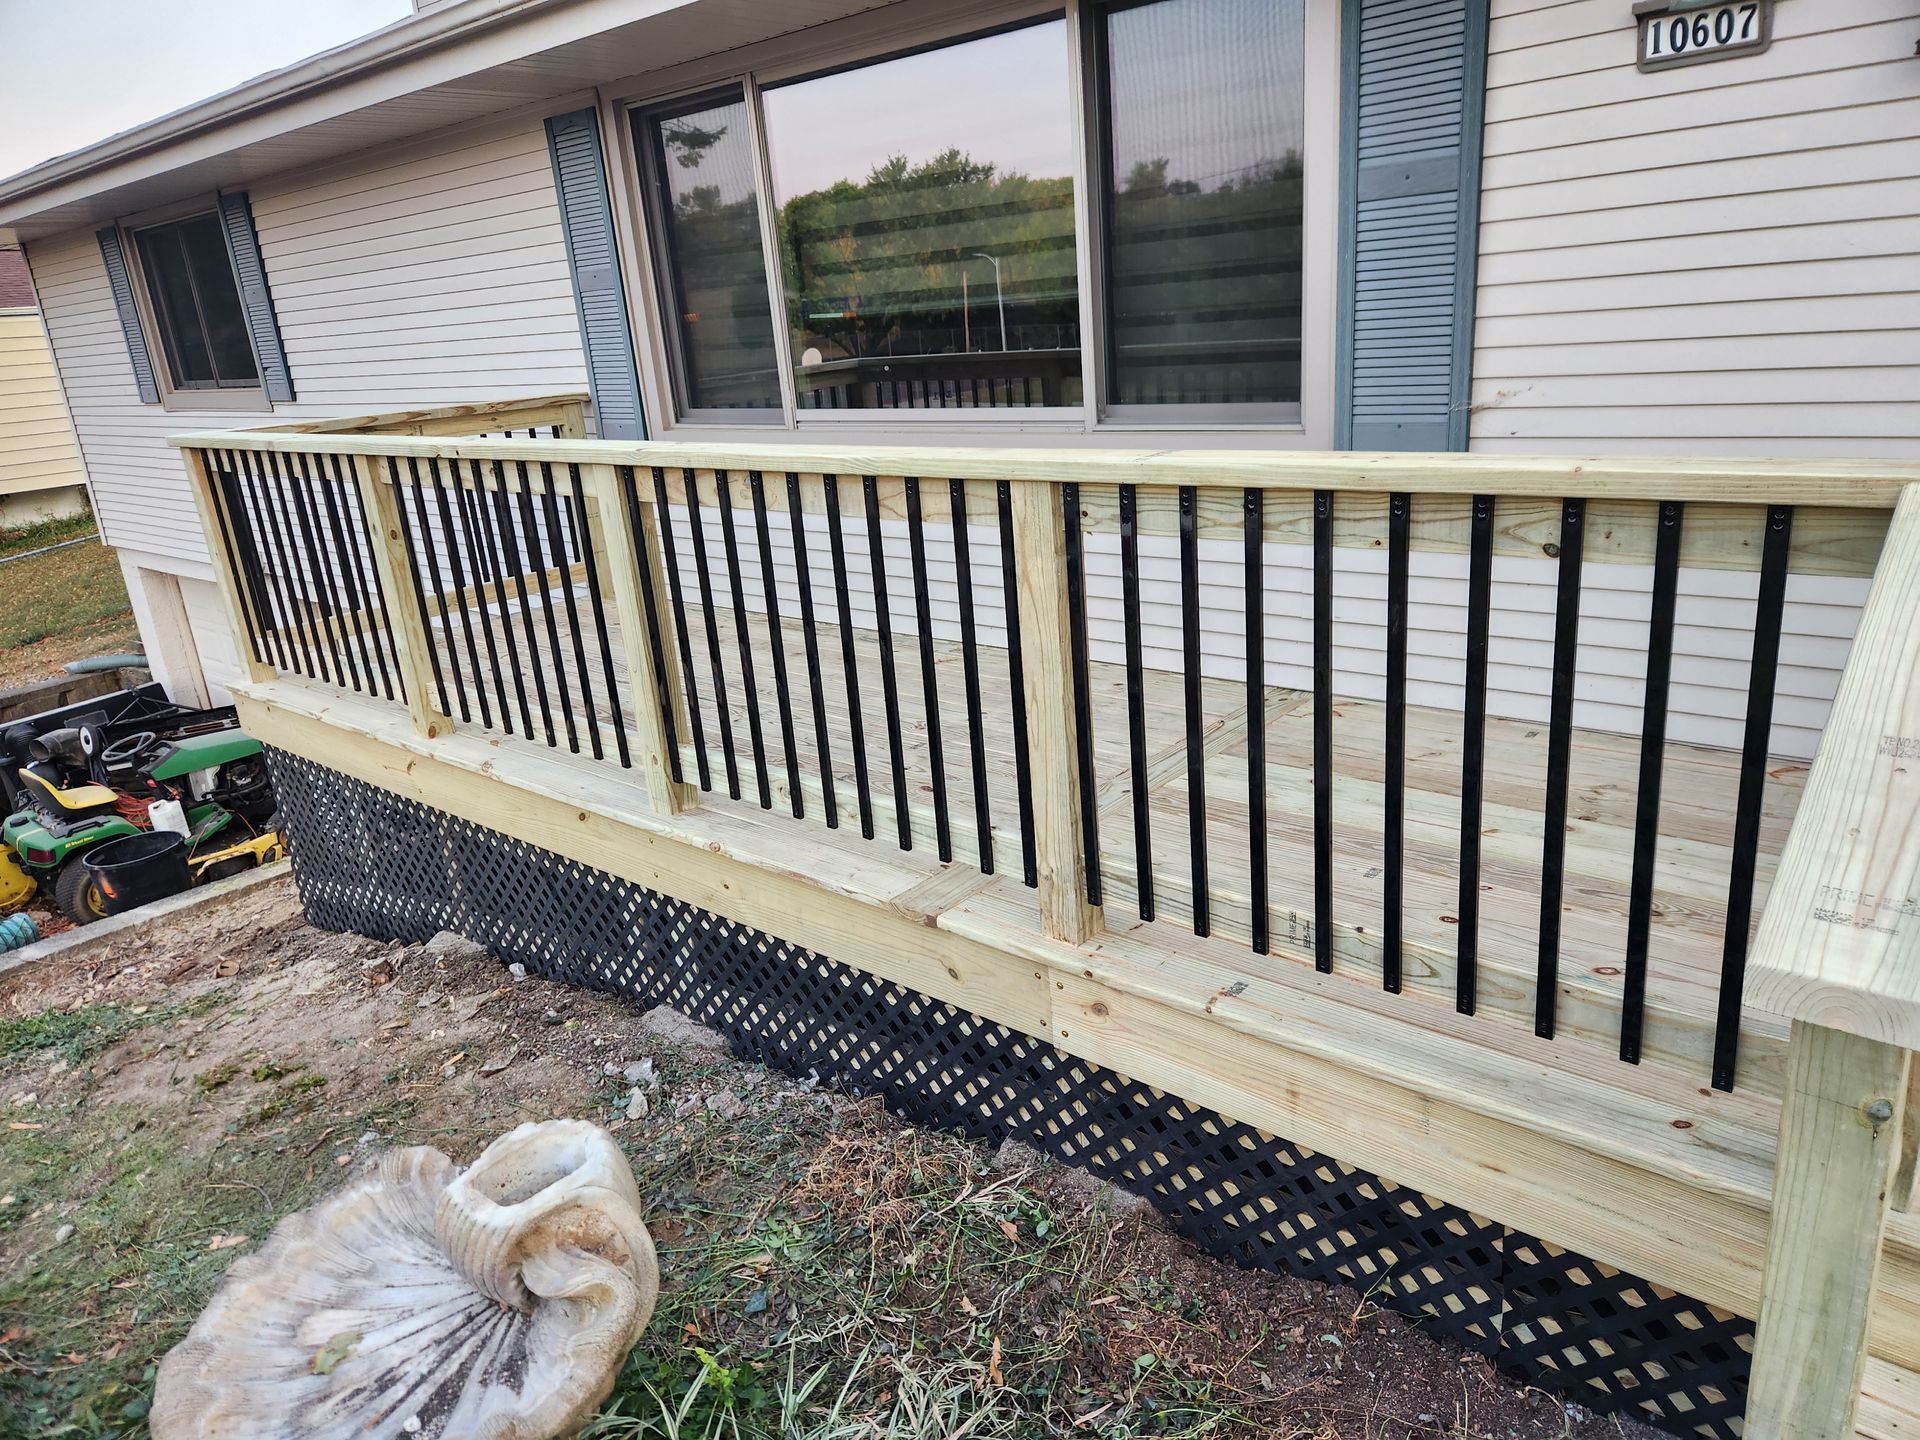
(61, 606)
(829, 1273)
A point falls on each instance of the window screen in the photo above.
(197, 305)
(715, 271)
(1203, 132)
(925, 208)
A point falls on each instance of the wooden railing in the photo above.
(726, 622)
(637, 603)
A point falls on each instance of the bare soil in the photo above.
(165, 1098)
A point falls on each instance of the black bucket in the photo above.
(138, 869)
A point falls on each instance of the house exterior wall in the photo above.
(40, 470)
(417, 276)
(1712, 259)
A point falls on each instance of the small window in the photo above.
(196, 303)
(713, 265)
(925, 215)
(1203, 131)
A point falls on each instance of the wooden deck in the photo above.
(1694, 852)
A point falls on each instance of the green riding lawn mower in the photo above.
(129, 766)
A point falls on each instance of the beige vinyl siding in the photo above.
(422, 275)
(37, 450)
(1713, 259)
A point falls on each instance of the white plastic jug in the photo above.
(170, 815)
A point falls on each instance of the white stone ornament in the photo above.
(494, 1303)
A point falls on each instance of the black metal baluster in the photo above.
(656, 646)
(361, 528)
(1775, 553)
(1473, 753)
(723, 491)
(723, 708)
(847, 657)
(430, 550)
(459, 588)
(312, 592)
(1323, 730)
(1394, 889)
(346, 562)
(489, 522)
(1553, 849)
(1082, 692)
(889, 681)
(816, 689)
(1190, 678)
(537, 554)
(286, 566)
(326, 598)
(1254, 583)
(1136, 697)
(770, 589)
(517, 566)
(561, 553)
(466, 501)
(273, 584)
(599, 604)
(219, 469)
(1653, 744)
(929, 688)
(664, 513)
(1017, 670)
(319, 496)
(279, 611)
(970, 667)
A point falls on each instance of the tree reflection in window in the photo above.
(927, 240)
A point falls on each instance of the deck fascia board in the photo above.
(1549, 1148)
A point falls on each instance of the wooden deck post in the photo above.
(1840, 1146)
(1838, 952)
(1040, 556)
(211, 505)
(650, 689)
(411, 643)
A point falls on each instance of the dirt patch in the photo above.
(828, 1270)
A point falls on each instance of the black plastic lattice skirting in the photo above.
(369, 861)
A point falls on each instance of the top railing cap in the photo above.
(1856, 484)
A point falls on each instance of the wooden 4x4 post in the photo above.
(1839, 952)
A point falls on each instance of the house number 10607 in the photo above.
(1673, 36)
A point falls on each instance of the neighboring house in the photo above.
(41, 476)
(1367, 224)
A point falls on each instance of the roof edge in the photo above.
(406, 39)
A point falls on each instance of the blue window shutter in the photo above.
(580, 180)
(1413, 92)
(250, 272)
(122, 288)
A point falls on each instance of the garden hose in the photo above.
(17, 931)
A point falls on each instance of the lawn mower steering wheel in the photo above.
(127, 748)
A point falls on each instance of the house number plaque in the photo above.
(1675, 32)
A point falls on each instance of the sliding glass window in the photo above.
(1202, 113)
(925, 216)
(706, 209)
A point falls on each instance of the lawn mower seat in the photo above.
(77, 802)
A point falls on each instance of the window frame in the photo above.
(650, 173)
(919, 25)
(174, 395)
(1096, 66)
